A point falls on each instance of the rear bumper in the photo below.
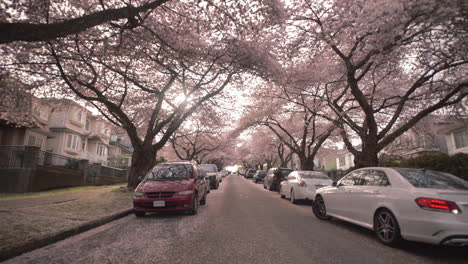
(436, 229)
(304, 193)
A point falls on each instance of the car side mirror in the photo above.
(334, 184)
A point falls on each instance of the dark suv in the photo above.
(259, 175)
(174, 186)
(274, 178)
(250, 173)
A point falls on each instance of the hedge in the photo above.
(456, 164)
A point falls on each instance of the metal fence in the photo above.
(17, 156)
(113, 172)
(51, 159)
(28, 156)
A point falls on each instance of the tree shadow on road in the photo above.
(440, 252)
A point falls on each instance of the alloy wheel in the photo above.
(319, 209)
(386, 227)
(293, 198)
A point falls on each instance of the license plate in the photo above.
(159, 203)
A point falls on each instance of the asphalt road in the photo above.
(241, 223)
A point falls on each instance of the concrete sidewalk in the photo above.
(30, 223)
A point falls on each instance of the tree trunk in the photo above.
(306, 163)
(368, 157)
(143, 160)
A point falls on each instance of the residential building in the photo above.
(25, 125)
(58, 126)
(422, 139)
(344, 160)
(120, 152)
(456, 137)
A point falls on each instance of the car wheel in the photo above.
(386, 228)
(195, 203)
(293, 198)
(139, 214)
(271, 187)
(203, 201)
(281, 193)
(319, 209)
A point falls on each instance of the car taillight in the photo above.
(438, 205)
(302, 184)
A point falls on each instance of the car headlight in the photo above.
(185, 192)
(138, 194)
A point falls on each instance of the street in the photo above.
(241, 223)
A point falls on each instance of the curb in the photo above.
(38, 243)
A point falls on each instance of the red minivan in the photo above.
(174, 186)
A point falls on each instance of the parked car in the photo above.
(259, 175)
(274, 177)
(412, 204)
(171, 187)
(212, 174)
(301, 185)
(250, 173)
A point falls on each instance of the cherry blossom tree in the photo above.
(150, 79)
(294, 114)
(49, 20)
(392, 63)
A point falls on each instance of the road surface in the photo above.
(241, 223)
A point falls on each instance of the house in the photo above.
(24, 122)
(77, 133)
(120, 152)
(456, 137)
(344, 160)
(58, 126)
(422, 139)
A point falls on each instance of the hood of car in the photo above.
(165, 186)
(326, 189)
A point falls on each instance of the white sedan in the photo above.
(412, 204)
(301, 185)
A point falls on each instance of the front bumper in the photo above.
(175, 203)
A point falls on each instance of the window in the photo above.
(35, 141)
(374, 178)
(354, 178)
(36, 112)
(79, 115)
(73, 142)
(420, 178)
(461, 138)
(342, 161)
(101, 150)
(87, 124)
(168, 172)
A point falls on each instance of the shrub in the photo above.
(456, 164)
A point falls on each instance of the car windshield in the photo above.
(209, 167)
(169, 172)
(432, 179)
(284, 172)
(252, 171)
(311, 175)
(261, 173)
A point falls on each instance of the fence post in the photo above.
(83, 166)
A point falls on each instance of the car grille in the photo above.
(159, 194)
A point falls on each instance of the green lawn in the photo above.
(10, 196)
